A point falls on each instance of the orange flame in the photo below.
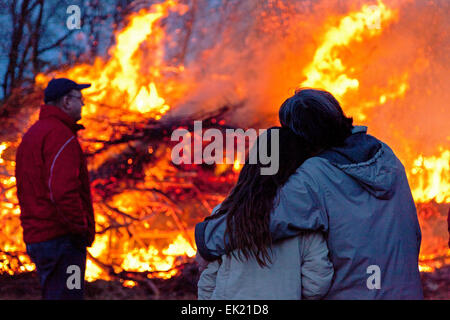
(119, 80)
(327, 70)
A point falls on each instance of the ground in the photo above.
(26, 287)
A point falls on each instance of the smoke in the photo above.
(255, 52)
(417, 45)
(251, 52)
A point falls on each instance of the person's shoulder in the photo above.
(314, 162)
(313, 167)
(49, 126)
(40, 130)
(306, 175)
(56, 127)
(55, 133)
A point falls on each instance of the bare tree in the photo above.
(28, 29)
(35, 37)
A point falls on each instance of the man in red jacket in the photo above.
(53, 189)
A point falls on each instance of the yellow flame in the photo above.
(129, 283)
(125, 69)
(148, 100)
(327, 70)
(151, 259)
(9, 266)
(430, 177)
(120, 80)
(94, 272)
(3, 146)
(425, 268)
(236, 165)
(180, 247)
(431, 265)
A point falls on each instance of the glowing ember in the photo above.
(129, 283)
(150, 259)
(237, 166)
(3, 146)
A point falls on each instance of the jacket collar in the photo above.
(358, 129)
(49, 111)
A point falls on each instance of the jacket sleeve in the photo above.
(316, 270)
(207, 281)
(64, 185)
(298, 207)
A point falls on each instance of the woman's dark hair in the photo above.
(316, 116)
(249, 204)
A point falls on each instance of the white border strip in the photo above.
(53, 164)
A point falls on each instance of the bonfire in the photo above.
(146, 206)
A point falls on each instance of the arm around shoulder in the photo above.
(207, 282)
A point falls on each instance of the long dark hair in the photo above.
(250, 202)
(317, 117)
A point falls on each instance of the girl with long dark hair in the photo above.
(256, 266)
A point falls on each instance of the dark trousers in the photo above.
(61, 266)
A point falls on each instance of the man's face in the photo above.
(73, 102)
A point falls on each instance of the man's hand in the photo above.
(202, 263)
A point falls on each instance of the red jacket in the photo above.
(52, 180)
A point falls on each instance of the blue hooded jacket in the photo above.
(359, 195)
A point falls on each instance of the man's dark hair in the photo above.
(316, 116)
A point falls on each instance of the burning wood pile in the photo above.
(145, 205)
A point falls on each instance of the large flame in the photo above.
(430, 176)
(327, 69)
(122, 82)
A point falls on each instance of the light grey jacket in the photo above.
(300, 269)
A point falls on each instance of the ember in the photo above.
(146, 206)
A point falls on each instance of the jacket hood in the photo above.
(367, 160)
